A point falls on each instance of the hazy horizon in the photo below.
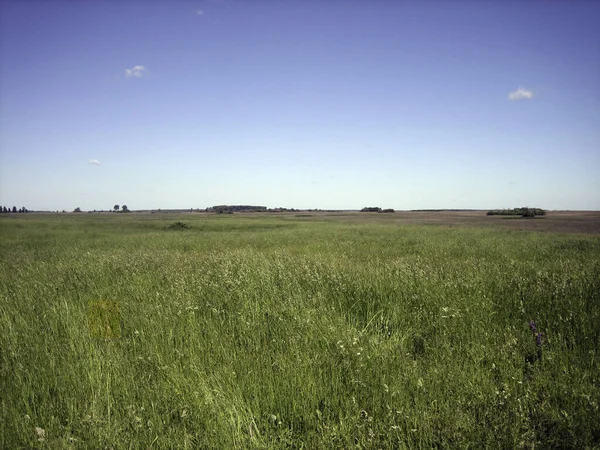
(203, 209)
(307, 105)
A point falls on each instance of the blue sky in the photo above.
(305, 104)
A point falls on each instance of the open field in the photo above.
(587, 222)
(299, 330)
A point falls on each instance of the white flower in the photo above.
(41, 433)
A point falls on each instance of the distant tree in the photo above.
(524, 211)
(371, 209)
(116, 207)
(14, 209)
(4, 210)
(527, 212)
(78, 209)
(124, 208)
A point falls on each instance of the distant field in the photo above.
(587, 222)
(300, 330)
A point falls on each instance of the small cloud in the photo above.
(135, 71)
(199, 12)
(520, 94)
(94, 162)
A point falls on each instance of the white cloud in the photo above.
(135, 71)
(199, 12)
(521, 94)
(94, 162)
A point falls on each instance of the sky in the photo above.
(299, 104)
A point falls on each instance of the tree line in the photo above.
(524, 211)
(230, 209)
(116, 208)
(376, 209)
(14, 209)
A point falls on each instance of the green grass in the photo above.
(274, 331)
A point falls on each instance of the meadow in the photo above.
(296, 331)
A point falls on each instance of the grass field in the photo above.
(298, 331)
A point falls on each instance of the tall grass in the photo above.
(283, 332)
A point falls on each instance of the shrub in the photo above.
(179, 226)
(525, 211)
(528, 213)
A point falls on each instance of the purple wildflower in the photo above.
(532, 326)
(539, 339)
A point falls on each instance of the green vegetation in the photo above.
(179, 226)
(283, 331)
(376, 209)
(230, 209)
(124, 209)
(5, 210)
(525, 211)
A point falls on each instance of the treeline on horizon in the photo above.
(376, 209)
(524, 211)
(4, 209)
(230, 209)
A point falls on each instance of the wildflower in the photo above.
(532, 326)
(539, 339)
(41, 433)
